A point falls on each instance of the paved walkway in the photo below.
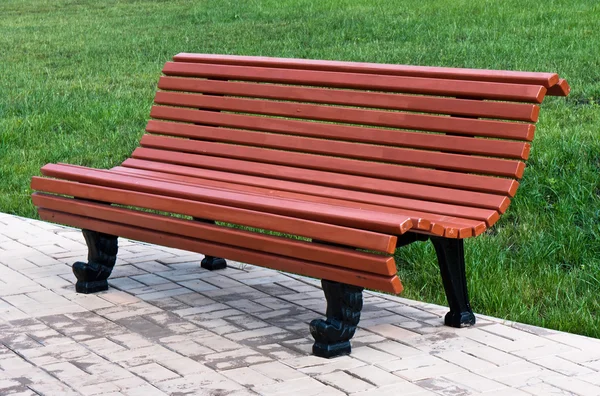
(166, 326)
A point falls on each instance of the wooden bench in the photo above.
(357, 158)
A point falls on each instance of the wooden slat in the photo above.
(422, 221)
(455, 125)
(288, 225)
(561, 88)
(376, 180)
(431, 159)
(344, 216)
(425, 104)
(203, 176)
(410, 190)
(467, 145)
(379, 282)
(433, 86)
(416, 217)
(427, 222)
(536, 78)
(432, 223)
(340, 257)
(445, 143)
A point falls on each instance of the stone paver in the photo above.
(168, 327)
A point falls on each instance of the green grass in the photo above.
(77, 80)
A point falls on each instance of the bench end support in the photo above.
(93, 276)
(332, 335)
(451, 259)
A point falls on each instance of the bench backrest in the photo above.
(455, 137)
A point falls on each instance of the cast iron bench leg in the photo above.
(209, 262)
(102, 255)
(213, 263)
(451, 259)
(332, 335)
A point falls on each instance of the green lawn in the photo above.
(77, 79)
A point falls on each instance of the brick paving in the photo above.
(168, 327)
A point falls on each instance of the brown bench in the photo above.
(357, 158)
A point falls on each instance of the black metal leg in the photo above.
(213, 263)
(451, 259)
(410, 237)
(102, 255)
(209, 262)
(332, 335)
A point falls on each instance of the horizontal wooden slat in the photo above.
(426, 222)
(425, 104)
(445, 143)
(430, 223)
(359, 278)
(317, 177)
(538, 78)
(433, 86)
(452, 226)
(431, 159)
(561, 88)
(344, 216)
(418, 191)
(340, 257)
(416, 217)
(311, 229)
(166, 171)
(432, 141)
(455, 125)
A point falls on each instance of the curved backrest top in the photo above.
(551, 81)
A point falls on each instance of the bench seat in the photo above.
(338, 224)
(320, 168)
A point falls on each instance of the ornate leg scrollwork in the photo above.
(102, 255)
(332, 335)
(451, 259)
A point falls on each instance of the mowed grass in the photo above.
(77, 80)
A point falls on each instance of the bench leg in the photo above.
(102, 255)
(209, 262)
(451, 259)
(213, 263)
(332, 335)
